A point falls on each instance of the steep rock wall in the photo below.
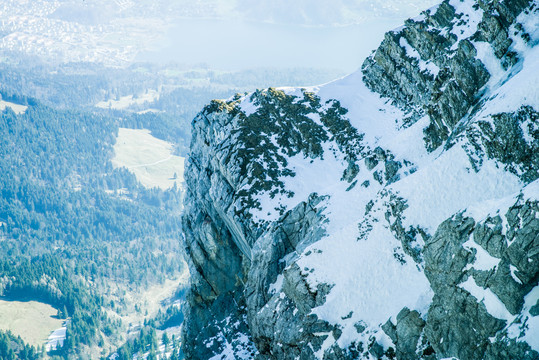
(430, 65)
(362, 228)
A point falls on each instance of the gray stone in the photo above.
(237, 263)
(449, 95)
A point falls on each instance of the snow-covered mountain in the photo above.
(393, 213)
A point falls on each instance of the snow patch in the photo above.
(56, 339)
(367, 111)
(277, 285)
(527, 127)
(513, 271)
(466, 25)
(530, 23)
(456, 185)
(325, 345)
(510, 95)
(427, 66)
(483, 260)
(493, 304)
(531, 335)
(485, 54)
(17, 108)
(368, 280)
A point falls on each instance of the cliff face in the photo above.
(393, 213)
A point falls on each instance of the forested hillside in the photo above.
(71, 224)
(76, 232)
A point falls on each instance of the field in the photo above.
(32, 320)
(149, 158)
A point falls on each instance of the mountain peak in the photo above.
(391, 213)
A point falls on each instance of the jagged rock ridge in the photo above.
(391, 214)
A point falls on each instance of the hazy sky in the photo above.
(228, 34)
(328, 12)
(314, 33)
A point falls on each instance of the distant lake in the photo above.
(234, 45)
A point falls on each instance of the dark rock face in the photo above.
(279, 332)
(407, 334)
(249, 298)
(457, 325)
(233, 259)
(502, 138)
(216, 245)
(448, 93)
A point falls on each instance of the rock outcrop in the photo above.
(390, 214)
(430, 66)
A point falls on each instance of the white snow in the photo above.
(513, 271)
(277, 285)
(485, 53)
(313, 175)
(429, 66)
(247, 106)
(466, 26)
(323, 176)
(17, 108)
(325, 345)
(515, 92)
(231, 352)
(226, 354)
(483, 260)
(507, 95)
(530, 23)
(367, 111)
(492, 303)
(456, 185)
(492, 207)
(532, 190)
(526, 127)
(368, 280)
(56, 339)
(532, 333)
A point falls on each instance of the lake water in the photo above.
(235, 45)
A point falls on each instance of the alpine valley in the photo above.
(390, 214)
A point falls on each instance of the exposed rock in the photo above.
(234, 260)
(457, 324)
(446, 94)
(247, 231)
(406, 334)
(512, 139)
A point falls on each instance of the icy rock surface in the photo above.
(393, 213)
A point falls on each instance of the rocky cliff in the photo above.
(390, 214)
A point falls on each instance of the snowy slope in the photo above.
(363, 223)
